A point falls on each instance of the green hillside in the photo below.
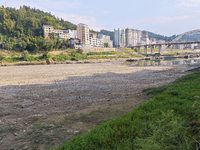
(21, 29)
(28, 21)
(161, 37)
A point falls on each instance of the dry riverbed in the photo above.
(42, 106)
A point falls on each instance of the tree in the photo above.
(105, 44)
(22, 45)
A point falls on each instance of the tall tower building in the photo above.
(119, 38)
(145, 37)
(123, 38)
(129, 37)
(137, 36)
(83, 33)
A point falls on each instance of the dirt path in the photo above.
(43, 106)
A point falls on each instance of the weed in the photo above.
(2, 57)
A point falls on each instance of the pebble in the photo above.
(15, 134)
(26, 147)
(76, 132)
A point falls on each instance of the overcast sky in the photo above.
(165, 17)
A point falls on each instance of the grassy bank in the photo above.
(71, 54)
(170, 120)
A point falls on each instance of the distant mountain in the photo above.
(151, 35)
(161, 37)
(28, 21)
(106, 32)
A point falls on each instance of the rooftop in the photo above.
(74, 38)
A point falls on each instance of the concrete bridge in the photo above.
(163, 46)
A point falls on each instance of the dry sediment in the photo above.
(52, 92)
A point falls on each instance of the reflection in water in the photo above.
(167, 62)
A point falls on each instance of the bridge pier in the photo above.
(159, 48)
(152, 63)
(152, 49)
(138, 49)
(145, 49)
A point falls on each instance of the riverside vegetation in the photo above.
(170, 120)
(70, 54)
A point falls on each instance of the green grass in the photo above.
(102, 53)
(13, 59)
(165, 122)
(61, 57)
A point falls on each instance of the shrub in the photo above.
(25, 55)
(46, 55)
(61, 57)
(31, 58)
(80, 51)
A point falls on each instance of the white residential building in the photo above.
(58, 33)
(83, 34)
(105, 39)
(72, 33)
(93, 39)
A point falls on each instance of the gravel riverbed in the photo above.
(43, 91)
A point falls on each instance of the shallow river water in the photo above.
(165, 62)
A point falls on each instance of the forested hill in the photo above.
(28, 21)
(106, 32)
(161, 37)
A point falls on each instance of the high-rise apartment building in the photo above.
(83, 33)
(129, 37)
(123, 38)
(119, 38)
(137, 37)
(145, 37)
(133, 37)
